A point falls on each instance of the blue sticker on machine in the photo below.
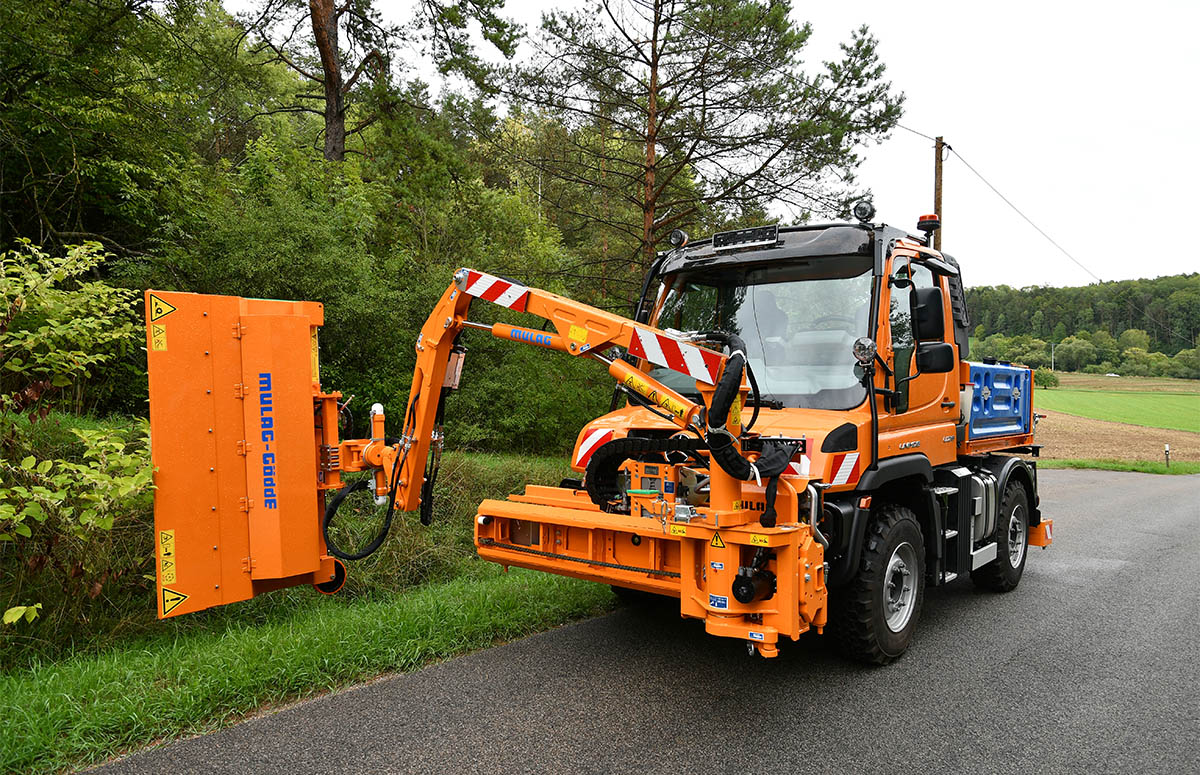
(266, 415)
(755, 635)
(668, 486)
(717, 565)
(718, 601)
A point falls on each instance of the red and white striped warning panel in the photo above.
(506, 293)
(591, 443)
(799, 465)
(845, 468)
(696, 362)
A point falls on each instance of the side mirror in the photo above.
(935, 357)
(928, 319)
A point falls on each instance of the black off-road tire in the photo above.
(1012, 543)
(860, 611)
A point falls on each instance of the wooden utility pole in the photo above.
(937, 189)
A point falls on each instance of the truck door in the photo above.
(919, 399)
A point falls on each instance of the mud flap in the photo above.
(1042, 534)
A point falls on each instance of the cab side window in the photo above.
(900, 318)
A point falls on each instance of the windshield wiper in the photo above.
(769, 403)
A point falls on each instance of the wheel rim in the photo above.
(900, 587)
(1016, 536)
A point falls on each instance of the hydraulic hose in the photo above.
(336, 502)
(775, 454)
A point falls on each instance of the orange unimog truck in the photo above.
(802, 443)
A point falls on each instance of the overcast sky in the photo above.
(1083, 114)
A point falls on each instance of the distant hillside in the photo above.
(1132, 326)
(1166, 308)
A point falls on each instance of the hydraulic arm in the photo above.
(406, 469)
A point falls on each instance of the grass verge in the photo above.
(83, 710)
(1176, 411)
(1140, 466)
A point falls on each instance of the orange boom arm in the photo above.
(579, 330)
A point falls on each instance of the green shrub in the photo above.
(1044, 378)
(64, 489)
(75, 529)
(58, 332)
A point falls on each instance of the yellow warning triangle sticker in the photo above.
(171, 600)
(159, 309)
(716, 541)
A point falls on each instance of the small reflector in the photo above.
(864, 502)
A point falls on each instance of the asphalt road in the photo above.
(1091, 665)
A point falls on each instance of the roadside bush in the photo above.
(65, 486)
(1044, 378)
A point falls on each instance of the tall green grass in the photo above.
(98, 594)
(86, 709)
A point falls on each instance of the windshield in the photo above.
(799, 322)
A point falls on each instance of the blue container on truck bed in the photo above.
(1001, 401)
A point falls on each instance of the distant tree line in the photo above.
(1132, 327)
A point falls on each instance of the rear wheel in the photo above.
(1012, 543)
(877, 613)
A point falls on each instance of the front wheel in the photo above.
(876, 615)
(1012, 543)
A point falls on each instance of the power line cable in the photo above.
(1028, 220)
(1162, 327)
(915, 132)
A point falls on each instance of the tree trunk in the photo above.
(648, 199)
(603, 212)
(325, 32)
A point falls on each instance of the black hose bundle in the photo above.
(602, 480)
(336, 502)
(775, 455)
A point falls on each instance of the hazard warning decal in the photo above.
(159, 309)
(171, 600)
(716, 541)
(506, 293)
(590, 444)
(166, 557)
(684, 358)
(158, 337)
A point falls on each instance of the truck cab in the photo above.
(856, 338)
